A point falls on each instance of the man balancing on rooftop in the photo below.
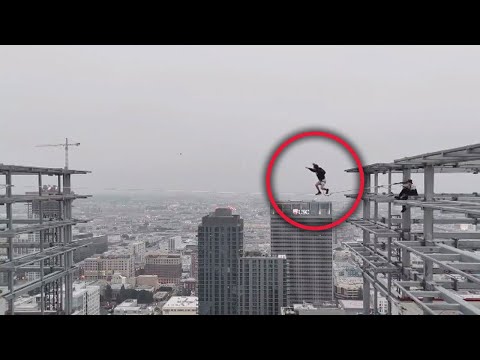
(321, 179)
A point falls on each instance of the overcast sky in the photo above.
(135, 108)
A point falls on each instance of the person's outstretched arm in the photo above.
(312, 170)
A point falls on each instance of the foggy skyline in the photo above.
(134, 109)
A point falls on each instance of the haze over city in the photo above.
(134, 109)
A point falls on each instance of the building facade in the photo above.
(349, 288)
(220, 246)
(262, 285)
(138, 250)
(174, 243)
(95, 245)
(168, 267)
(86, 299)
(103, 267)
(309, 253)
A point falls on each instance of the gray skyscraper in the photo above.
(220, 246)
(262, 284)
(309, 253)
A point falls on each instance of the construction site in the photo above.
(425, 257)
(414, 258)
(41, 263)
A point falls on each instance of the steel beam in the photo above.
(444, 306)
(37, 283)
(29, 170)
(34, 245)
(45, 226)
(366, 210)
(21, 221)
(420, 303)
(474, 213)
(440, 263)
(30, 198)
(466, 256)
(450, 297)
(435, 221)
(32, 258)
(470, 150)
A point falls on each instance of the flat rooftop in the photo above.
(351, 304)
(181, 301)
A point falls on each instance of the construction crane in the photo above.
(66, 146)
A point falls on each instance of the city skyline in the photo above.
(173, 142)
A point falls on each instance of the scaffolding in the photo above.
(448, 265)
(50, 254)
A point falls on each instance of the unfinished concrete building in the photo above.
(52, 255)
(447, 265)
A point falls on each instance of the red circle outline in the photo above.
(289, 142)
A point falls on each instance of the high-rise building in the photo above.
(194, 265)
(52, 259)
(174, 243)
(220, 246)
(192, 251)
(138, 250)
(168, 267)
(86, 299)
(262, 284)
(309, 253)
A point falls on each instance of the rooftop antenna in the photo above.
(66, 146)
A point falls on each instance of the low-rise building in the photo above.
(352, 307)
(118, 279)
(190, 285)
(94, 245)
(145, 288)
(181, 305)
(160, 295)
(168, 267)
(148, 280)
(102, 267)
(308, 309)
(348, 288)
(131, 307)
